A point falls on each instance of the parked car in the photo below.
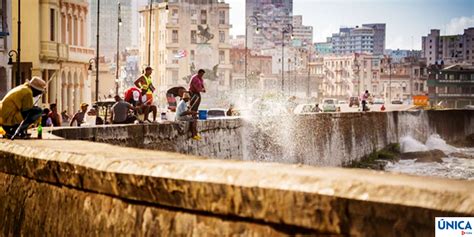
(379, 101)
(469, 107)
(397, 102)
(354, 100)
(329, 105)
(305, 109)
(216, 113)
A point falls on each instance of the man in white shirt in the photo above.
(183, 113)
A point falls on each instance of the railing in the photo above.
(80, 54)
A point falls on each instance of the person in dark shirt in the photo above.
(54, 115)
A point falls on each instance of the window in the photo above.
(174, 36)
(422, 87)
(52, 26)
(193, 37)
(374, 75)
(221, 37)
(174, 76)
(175, 16)
(451, 76)
(221, 56)
(193, 17)
(221, 79)
(203, 17)
(174, 56)
(222, 17)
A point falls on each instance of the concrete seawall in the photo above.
(321, 140)
(79, 188)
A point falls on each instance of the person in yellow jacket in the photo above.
(144, 81)
(17, 107)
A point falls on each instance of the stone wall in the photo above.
(79, 188)
(220, 138)
(323, 139)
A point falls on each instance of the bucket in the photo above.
(202, 114)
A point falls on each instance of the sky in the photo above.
(406, 20)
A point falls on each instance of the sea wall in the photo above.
(326, 139)
(80, 188)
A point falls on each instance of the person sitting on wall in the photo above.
(17, 109)
(139, 99)
(79, 116)
(184, 113)
(171, 95)
(119, 113)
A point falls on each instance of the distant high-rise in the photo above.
(108, 26)
(302, 35)
(370, 39)
(273, 16)
(449, 49)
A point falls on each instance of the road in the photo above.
(346, 108)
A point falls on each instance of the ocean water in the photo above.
(452, 167)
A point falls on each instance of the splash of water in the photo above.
(451, 167)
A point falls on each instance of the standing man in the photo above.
(196, 86)
(17, 109)
(79, 116)
(54, 115)
(365, 98)
(145, 80)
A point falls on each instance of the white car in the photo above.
(329, 105)
(305, 109)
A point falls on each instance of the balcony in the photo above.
(80, 54)
(49, 50)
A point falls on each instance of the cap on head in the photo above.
(84, 105)
(186, 95)
(37, 83)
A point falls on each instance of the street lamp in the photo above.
(18, 50)
(97, 55)
(117, 64)
(287, 30)
(10, 62)
(356, 68)
(257, 31)
(390, 79)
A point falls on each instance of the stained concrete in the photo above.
(108, 190)
(326, 139)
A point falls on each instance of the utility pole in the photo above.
(97, 55)
(117, 65)
(149, 32)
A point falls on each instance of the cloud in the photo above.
(458, 24)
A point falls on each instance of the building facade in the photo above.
(368, 39)
(188, 37)
(5, 46)
(351, 75)
(451, 86)
(400, 80)
(450, 49)
(302, 35)
(273, 16)
(56, 50)
(108, 26)
(323, 48)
